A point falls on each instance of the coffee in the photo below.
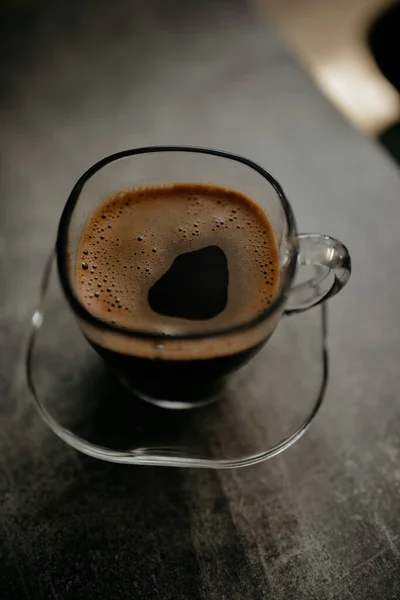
(175, 260)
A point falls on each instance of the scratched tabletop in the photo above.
(78, 81)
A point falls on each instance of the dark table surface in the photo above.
(79, 81)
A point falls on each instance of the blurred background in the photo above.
(349, 47)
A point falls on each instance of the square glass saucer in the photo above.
(266, 406)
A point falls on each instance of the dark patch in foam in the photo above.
(195, 287)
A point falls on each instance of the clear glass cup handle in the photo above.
(323, 269)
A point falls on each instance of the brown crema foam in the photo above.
(132, 239)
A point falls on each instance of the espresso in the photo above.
(176, 260)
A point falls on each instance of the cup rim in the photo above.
(84, 314)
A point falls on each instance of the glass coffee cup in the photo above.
(186, 364)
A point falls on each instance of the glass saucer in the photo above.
(266, 406)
